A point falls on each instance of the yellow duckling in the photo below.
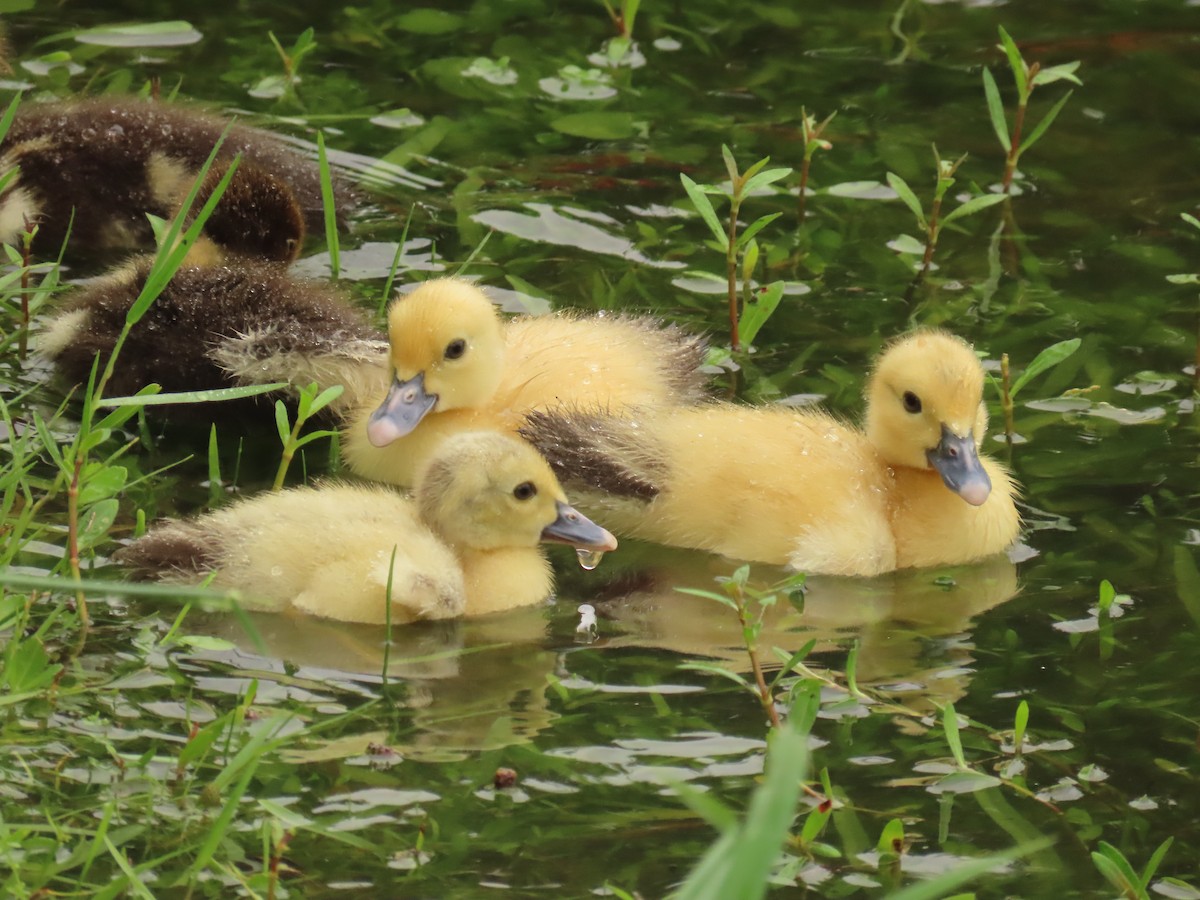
(465, 544)
(455, 366)
(112, 160)
(801, 488)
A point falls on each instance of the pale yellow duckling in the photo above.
(454, 365)
(800, 488)
(465, 544)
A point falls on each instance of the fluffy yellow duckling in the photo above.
(454, 365)
(112, 160)
(801, 488)
(466, 544)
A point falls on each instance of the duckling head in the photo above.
(925, 410)
(484, 490)
(447, 352)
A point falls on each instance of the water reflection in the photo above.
(481, 683)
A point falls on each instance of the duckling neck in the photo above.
(504, 578)
(934, 526)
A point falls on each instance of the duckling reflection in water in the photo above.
(466, 544)
(800, 488)
(109, 161)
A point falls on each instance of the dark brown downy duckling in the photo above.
(114, 160)
(205, 315)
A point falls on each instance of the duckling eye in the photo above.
(455, 348)
(525, 490)
(912, 402)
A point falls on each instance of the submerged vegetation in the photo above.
(1010, 731)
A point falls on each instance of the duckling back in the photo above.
(327, 551)
(113, 160)
(212, 327)
(601, 362)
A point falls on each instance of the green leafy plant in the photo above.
(933, 223)
(309, 403)
(739, 248)
(1191, 278)
(1118, 871)
(1027, 77)
(814, 140)
(1047, 359)
(738, 595)
(275, 86)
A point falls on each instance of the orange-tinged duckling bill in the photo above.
(801, 488)
(455, 365)
(465, 544)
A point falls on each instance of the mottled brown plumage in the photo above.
(114, 160)
(203, 312)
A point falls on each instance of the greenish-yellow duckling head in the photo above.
(487, 491)
(925, 410)
(447, 352)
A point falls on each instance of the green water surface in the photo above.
(512, 122)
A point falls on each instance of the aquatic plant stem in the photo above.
(1014, 150)
(1006, 401)
(26, 256)
(764, 693)
(81, 606)
(735, 203)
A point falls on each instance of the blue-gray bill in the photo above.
(404, 407)
(574, 528)
(957, 461)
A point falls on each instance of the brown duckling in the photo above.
(205, 314)
(114, 160)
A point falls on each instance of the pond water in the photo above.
(517, 132)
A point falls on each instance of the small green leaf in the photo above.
(282, 423)
(755, 227)
(1107, 594)
(95, 522)
(1015, 62)
(1184, 279)
(28, 668)
(731, 165)
(906, 243)
(1047, 359)
(714, 669)
(326, 397)
(708, 595)
(756, 312)
(1041, 127)
(950, 728)
(965, 782)
(974, 205)
(1020, 723)
(1190, 219)
(904, 192)
(1051, 74)
(429, 21)
(596, 126)
(102, 483)
(705, 208)
(1155, 861)
(762, 179)
(1119, 876)
(891, 837)
(996, 110)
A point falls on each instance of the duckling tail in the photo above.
(596, 451)
(175, 548)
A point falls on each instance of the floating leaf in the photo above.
(598, 126)
(429, 21)
(149, 34)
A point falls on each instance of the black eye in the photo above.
(912, 402)
(525, 490)
(455, 349)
